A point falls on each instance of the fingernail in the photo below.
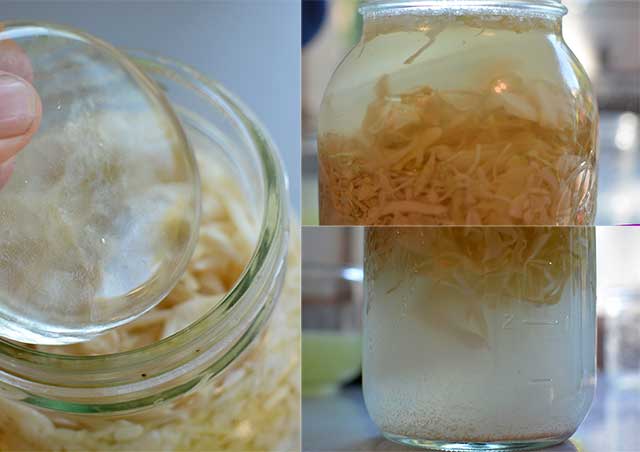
(17, 106)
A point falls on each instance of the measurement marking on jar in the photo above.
(541, 380)
(541, 322)
(508, 320)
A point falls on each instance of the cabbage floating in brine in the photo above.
(502, 147)
(454, 274)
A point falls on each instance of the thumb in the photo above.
(20, 114)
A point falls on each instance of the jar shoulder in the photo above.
(459, 61)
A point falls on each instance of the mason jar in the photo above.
(467, 112)
(224, 370)
(479, 338)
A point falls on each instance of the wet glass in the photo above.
(100, 216)
(459, 113)
(479, 338)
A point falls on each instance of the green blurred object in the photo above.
(352, 19)
(309, 182)
(329, 359)
(310, 215)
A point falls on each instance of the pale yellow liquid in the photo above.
(477, 65)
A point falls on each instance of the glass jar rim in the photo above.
(544, 8)
(28, 371)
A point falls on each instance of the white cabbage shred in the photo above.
(463, 271)
(511, 149)
(254, 405)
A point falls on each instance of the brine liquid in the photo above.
(452, 355)
(451, 121)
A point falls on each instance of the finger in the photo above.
(14, 59)
(20, 114)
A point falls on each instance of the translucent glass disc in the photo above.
(100, 215)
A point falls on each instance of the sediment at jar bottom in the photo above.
(454, 356)
(254, 405)
(540, 437)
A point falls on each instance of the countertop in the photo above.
(340, 423)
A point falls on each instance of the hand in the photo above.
(20, 106)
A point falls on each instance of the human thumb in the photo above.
(20, 114)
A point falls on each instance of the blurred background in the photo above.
(245, 45)
(604, 34)
(334, 415)
(332, 300)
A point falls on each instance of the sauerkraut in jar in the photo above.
(479, 337)
(215, 366)
(459, 115)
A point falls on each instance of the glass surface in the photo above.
(479, 337)
(112, 381)
(190, 390)
(462, 115)
(100, 216)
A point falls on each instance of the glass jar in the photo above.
(479, 338)
(463, 112)
(224, 376)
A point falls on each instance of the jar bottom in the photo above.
(453, 446)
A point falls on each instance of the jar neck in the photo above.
(384, 17)
(529, 8)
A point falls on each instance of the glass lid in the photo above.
(100, 214)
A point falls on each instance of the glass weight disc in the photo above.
(100, 216)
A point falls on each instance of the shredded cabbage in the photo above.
(491, 265)
(465, 270)
(513, 151)
(254, 405)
